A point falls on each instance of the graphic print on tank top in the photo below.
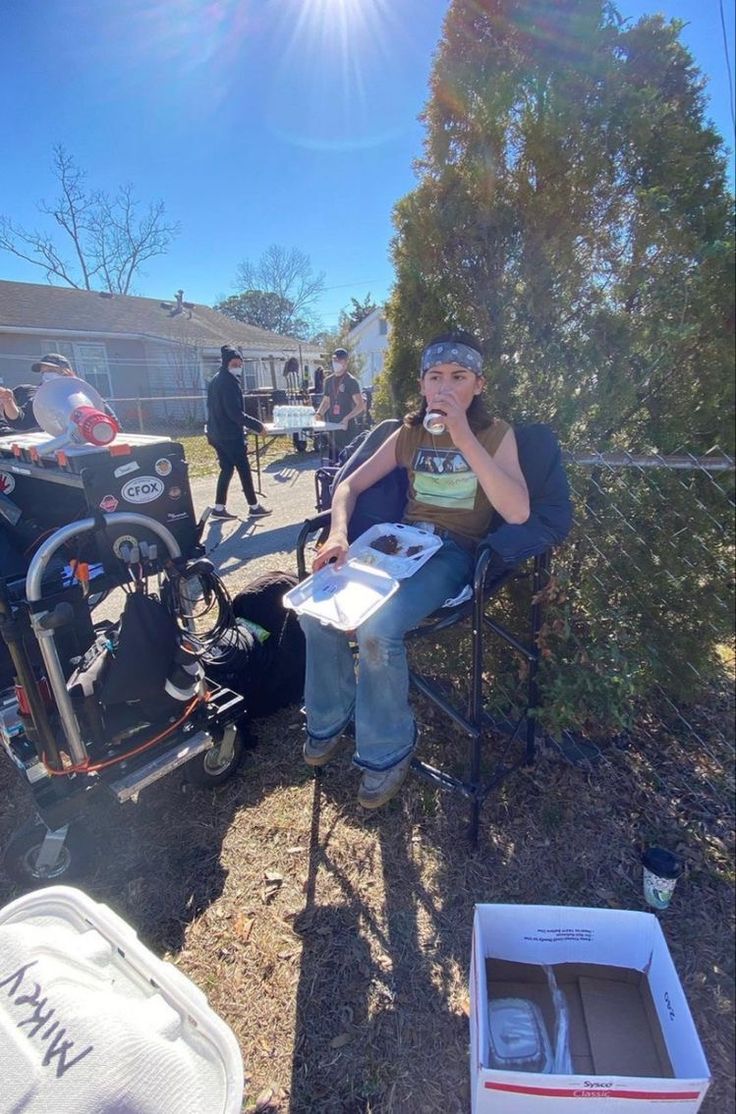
(443, 478)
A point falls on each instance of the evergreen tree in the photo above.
(572, 210)
(356, 312)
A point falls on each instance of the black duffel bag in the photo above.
(264, 657)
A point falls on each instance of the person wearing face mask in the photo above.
(342, 402)
(16, 405)
(226, 428)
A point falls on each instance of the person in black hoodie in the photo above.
(226, 428)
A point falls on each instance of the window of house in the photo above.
(209, 368)
(90, 363)
(250, 375)
(382, 326)
(63, 347)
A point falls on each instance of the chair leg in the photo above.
(475, 701)
(474, 822)
(539, 575)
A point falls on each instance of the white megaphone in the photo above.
(73, 413)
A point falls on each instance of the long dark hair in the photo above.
(479, 416)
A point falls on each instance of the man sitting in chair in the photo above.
(456, 502)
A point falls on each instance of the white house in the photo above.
(368, 341)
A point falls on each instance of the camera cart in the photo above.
(104, 708)
(69, 750)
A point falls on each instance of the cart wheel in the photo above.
(213, 768)
(21, 855)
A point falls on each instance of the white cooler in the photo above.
(92, 1022)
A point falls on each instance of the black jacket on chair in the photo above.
(550, 507)
(226, 418)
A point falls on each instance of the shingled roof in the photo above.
(25, 305)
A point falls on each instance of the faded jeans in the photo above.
(378, 699)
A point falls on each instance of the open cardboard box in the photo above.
(632, 1037)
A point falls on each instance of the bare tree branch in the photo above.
(109, 241)
(11, 238)
(286, 273)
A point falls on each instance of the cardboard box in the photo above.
(632, 1037)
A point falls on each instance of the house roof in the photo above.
(26, 305)
(373, 317)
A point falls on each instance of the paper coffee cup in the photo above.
(661, 870)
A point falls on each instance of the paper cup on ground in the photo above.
(661, 870)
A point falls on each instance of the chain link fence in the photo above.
(187, 413)
(159, 414)
(637, 651)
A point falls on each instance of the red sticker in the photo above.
(109, 504)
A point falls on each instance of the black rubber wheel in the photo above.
(24, 845)
(209, 769)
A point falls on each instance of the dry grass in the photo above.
(336, 943)
(201, 456)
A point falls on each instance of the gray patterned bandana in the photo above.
(451, 352)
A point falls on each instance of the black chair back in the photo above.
(550, 517)
(385, 500)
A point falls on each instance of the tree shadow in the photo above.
(374, 1015)
(158, 862)
(245, 544)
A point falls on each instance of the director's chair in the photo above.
(509, 552)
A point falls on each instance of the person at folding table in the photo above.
(342, 402)
(456, 503)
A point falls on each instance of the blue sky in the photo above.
(257, 121)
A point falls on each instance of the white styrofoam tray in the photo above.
(399, 564)
(344, 598)
(91, 1020)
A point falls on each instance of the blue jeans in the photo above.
(379, 698)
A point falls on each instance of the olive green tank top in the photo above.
(443, 489)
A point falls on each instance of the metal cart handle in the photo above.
(47, 549)
(45, 635)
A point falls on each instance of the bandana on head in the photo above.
(452, 352)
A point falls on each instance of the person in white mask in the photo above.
(17, 404)
(342, 402)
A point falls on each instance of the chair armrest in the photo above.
(516, 541)
(311, 526)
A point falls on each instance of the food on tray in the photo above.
(386, 543)
(413, 549)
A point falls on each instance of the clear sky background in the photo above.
(256, 121)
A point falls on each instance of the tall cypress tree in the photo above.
(572, 210)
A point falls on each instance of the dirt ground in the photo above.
(336, 943)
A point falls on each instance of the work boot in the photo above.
(377, 787)
(258, 511)
(318, 752)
